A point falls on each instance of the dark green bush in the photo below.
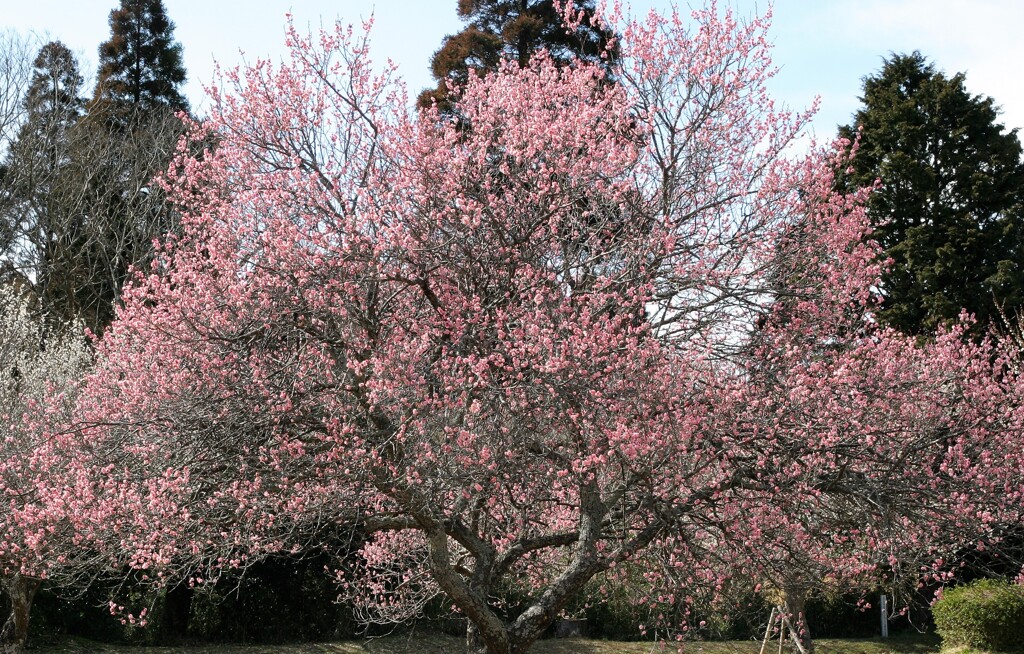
(987, 614)
(279, 600)
(835, 615)
(85, 612)
(615, 616)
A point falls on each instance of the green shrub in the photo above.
(279, 600)
(986, 614)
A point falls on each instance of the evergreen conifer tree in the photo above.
(38, 182)
(509, 29)
(127, 138)
(948, 212)
(141, 64)
(53, 96)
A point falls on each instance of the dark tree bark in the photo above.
(795, 594)
(21, 591)
(177, 608)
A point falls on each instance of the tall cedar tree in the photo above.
(130, 121)
(53, 93)
(510, 29)
(141, 65)
(38, 223)
(949, 209)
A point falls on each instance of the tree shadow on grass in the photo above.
(419, 643)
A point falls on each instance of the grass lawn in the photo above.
(432, 644)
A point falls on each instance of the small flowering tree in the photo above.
(39, 374)
(592, 326)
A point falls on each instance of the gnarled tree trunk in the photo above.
(21, 591)
(474, 643)
(795, 596)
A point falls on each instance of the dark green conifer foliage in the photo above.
(37, 221)
(510, 29)
(141, 64)
(127, 138)
(949, 209)
(53, 99)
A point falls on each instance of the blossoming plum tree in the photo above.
(594, 325)
(40, 371)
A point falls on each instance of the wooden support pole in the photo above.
(794, 635)
(782, 628)
(768, 631)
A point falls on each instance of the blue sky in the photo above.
(824, 47)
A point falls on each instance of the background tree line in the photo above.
(78, 203)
